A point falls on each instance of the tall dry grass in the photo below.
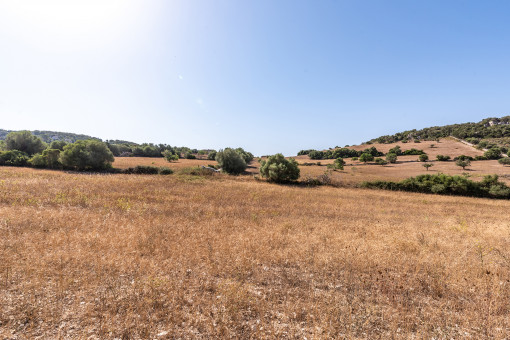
(139, 257)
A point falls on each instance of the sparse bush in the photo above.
(87, 155)
(230, 161)
(279, 169)
(339, 163)
(423, 157)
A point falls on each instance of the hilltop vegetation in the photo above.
(493, 128)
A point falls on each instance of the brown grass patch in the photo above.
(129, 256)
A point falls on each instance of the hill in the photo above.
(495, 129)
(50, 136)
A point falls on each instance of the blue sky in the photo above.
(269, 76)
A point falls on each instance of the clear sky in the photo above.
(267, 75)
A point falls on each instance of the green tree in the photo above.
(391, 157)
(366, 157)
(427, 166)
(170, 156)
(423, 158)
(24, 141)
(211, 156)
(230, 161)
(87, 155)
(58, 144)
(13, 158)
(279, 169)
(463, 163)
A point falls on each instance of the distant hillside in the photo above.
(50, 136)
(489, 128)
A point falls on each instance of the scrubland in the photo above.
(142, 257)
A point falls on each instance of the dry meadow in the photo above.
(90, 256)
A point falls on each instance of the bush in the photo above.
(279, 169)
(446, 184)
(230, 161)
(189, 155)
(366, 157)
(480, 158)
(143, 170)
(247, 156)
(391, 157)
(339, 163)
(413, 152)
(211, 156)
(24, 141)
(423, 157)
(50, 158)
(493, 153)
(443, 158)
(381, 161)
(13, 158)
(165, 171)
(87, 155)
(504, 161)
(316, 154)
(58, 145)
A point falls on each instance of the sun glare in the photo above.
(58, 21)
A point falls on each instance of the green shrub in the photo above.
(504, 161)
(381, 161)
(58, 144)
(366, 157)
(13, 158)
(428, 165)
(443, 158)
(278, 169)
(87, 155)
(493, 153)
(170, 156)
(391, 157)
(143, 170)
(24, 141)
(165, 171)
(480, 158)
(413, 152)
(189, 155)
(446, 184)
(423, 157)
(211, 156)
(230, 161)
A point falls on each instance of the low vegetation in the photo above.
(279, 169)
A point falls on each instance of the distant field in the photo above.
(145, 257)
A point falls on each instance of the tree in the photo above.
(463, 163)
(230, 161)
(247, 156)
(391, 157)
(50, 158)
(504, 161)
(278, 169)
(58, 144)
(87, 155)
(423, 157)
(24, 141)
(170, 156)
(427, 166)
(13, 158)
(366, 157)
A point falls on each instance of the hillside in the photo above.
(488, 128)
(50, 136)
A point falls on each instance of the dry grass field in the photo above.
(88, 256)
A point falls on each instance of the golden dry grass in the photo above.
(130, 256)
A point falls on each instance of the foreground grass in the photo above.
(127, 256)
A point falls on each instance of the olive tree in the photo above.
(278, 169)
(230, 161)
